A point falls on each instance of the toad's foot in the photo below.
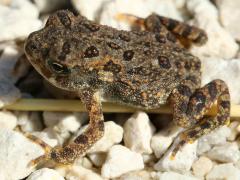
(77, 148)
(190, 108)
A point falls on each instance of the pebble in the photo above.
(224, 171)
(7, 120)
(220, 42)
(183, 159)
(161, 141)
(79, 172)
(8, 92)
(97, 158)
(138, 175)
(113, 135)
(45, 173)
(235, 130)
(121, 160)
(29, 121)
(216, 137)
(227, 152)
(229, 16)
(18, 19)
(175, 176)
(107, 10)
(16, 151)
(64, 121)
(230, 67)
(202, 166)
(138, 131)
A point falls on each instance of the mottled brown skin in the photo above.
(137, 68)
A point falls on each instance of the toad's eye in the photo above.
(58, 68)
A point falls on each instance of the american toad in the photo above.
(137, 68)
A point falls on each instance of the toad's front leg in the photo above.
(95, 130)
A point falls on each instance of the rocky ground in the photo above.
(134, 146)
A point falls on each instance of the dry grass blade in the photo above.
(76, 105)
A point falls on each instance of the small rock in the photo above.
(16, 151)
(43, 135)
(113, 134)
(18, 19)
(161, 141)
(220, 42)
(183, 159)
(8, 92)
(139, 8)
(83, 162)
(138, 131)
(229, 16)
(216, 137)
(45, 173)
(7, 120)
(97, 158)
(8, 59)
(29, 121)
(137, 175)
(61, 137)
(78, 172)
(227, 152)
(234, 126)
(107, 10)
(175, 176)
(202, 166)
(121, 160)
(63, 121)
(224, 171)
(231, 67)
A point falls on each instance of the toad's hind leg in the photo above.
(193, 111)
(169, 28)
(95, 130)
(185, 33)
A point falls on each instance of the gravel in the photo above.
(134, 146)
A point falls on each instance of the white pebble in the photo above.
(18, 19)
(175, 176)
(137, 175)
(45, 173)
(216, 137)
(229, 16)
(230, 67)
(113, 134)
(220, 42)
(138, 131)
(227, 152)
(43, 135)
(202, 166)
(234, 126)
(63, 121)
(121, 160)
(183, 159)
(97, 158)
(108, 10)
(224, 171)
(16, 151)
(7, 120)
(29, 121)
(78, 173)
(161, 141)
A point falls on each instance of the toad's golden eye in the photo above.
(58, 68)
